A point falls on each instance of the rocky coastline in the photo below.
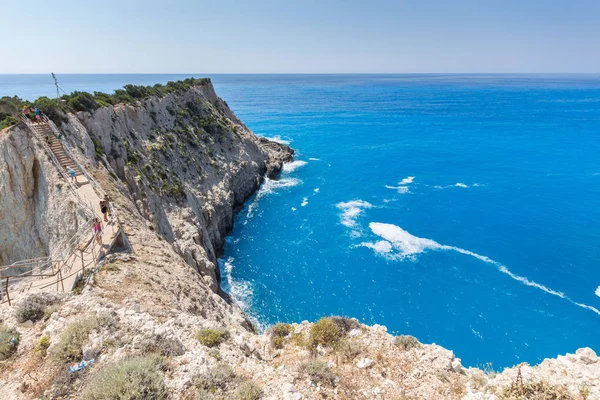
(178, 166)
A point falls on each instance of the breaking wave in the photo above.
(240, 290)
(402, 244)
(268, 187)
(597, 292)
(304, 202)
(292, 166)
(406, 181)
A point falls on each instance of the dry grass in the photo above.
(135, 378)
(406, 342)
(318, 371)
(249, 390)
(9, 342)
(536, 390)
(212, 337)
(325, 332)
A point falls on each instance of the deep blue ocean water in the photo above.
(462, 209)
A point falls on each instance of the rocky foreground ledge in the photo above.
(151, 323)
(179, 355)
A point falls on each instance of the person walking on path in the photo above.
(97, 228)
(71, 173)
(104, 208)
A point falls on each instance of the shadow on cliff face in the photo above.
(187, 164)
(36, 210)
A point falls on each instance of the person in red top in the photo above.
(97, 228)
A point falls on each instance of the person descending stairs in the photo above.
(57, 148)
(87, 247)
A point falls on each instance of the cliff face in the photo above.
(187, 163)
(36, 209)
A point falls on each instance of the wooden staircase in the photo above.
(43, 131)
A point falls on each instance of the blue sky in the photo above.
(267, 36)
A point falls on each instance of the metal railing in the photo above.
(22, 275)
(14, 280)
(34, 128)
(101, 193)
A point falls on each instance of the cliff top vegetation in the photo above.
(10, 107)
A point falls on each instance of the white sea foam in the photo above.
(268, 187)
(314, 159)
(380, 247)
(294, 208)
(597, 292)
(304, 202)
(317, 190)
(351, 210)
(240, 290)
(459, 185)
(401, 240)
(278, 139)
(292, 166)
(408, 246)
(406, 181)
(400, 189)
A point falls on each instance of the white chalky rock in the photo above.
(365, 363)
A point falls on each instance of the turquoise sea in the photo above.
(461, 209)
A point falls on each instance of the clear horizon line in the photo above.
(302, 73)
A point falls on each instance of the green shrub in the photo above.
(52, 109)
(325, 332)
(33, 308)
(298, 339)
(345, 324)
(349, 349)
(9, 342)
(215, 378)
(43, 345)
(204, 395)
(281, 329)
(277, 342)
(318, 371)
(72, 340)
(104, 100)
(134, 378)
(163, 345)
(278, 334)
(249, 390)
(10, 106)
(212, 337)
(8, 121)
(406, 342)
(538, 390)
(81, 101)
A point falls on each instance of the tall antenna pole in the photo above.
(56, 84)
